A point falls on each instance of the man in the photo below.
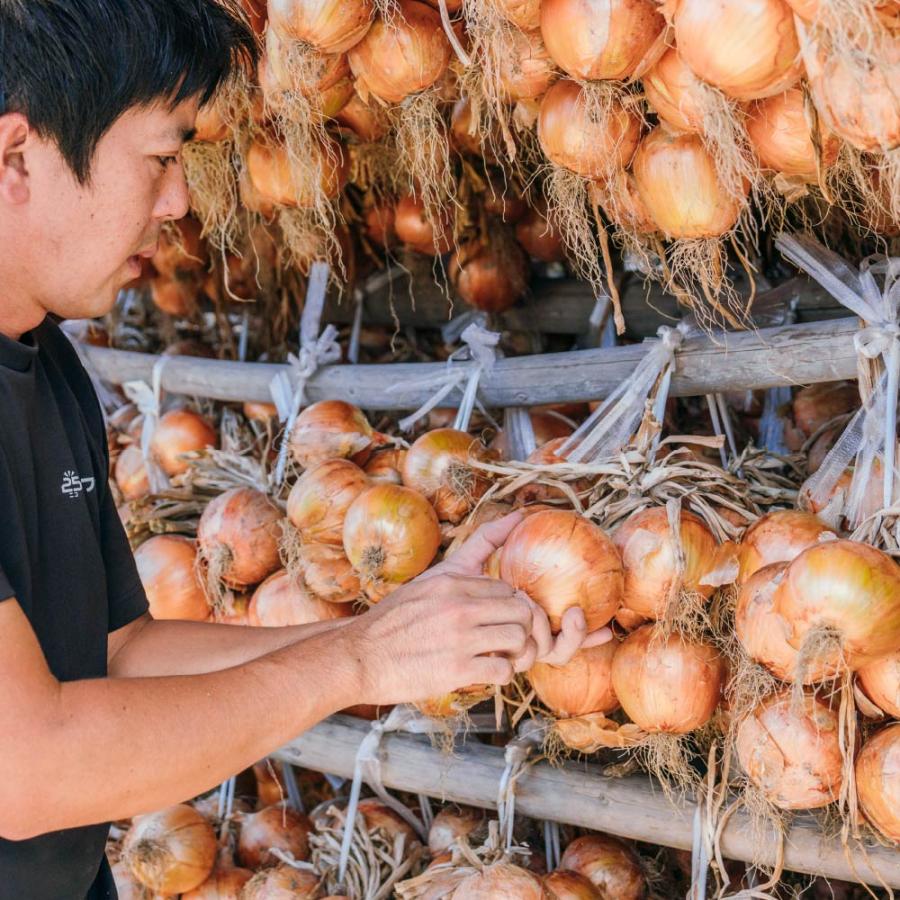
(105, 713)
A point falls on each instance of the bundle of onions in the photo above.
(591, 136)
(779, 536)
(391, 535)
(275, 827)
(564, 884)
(386, 466)
(526, 70)
(878, 781)
(280, 601)
(167, 565)
(171, 851)
(490, 275)
(182, 250)
(332, 429)
(439, 466)
(562, 560)
(320, 498)
(582, 686)
(500, 880)
(667, 685)
(541, 239)
(326, 573)
(600, 40)
(841, 600)
(279, 72)
(378, 816)
(368, 122)
(282, 883)
(424, 234)
(450, 825)
(276, 179)
(609, 864)
(331, 26)
(791, 752)
(466, 134)
(180, 431)
(131, 473)
(238, 537)
(749, 51)
(880, 681)
(223, 884)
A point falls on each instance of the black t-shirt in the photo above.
(65, 558)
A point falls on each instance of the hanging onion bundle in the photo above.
(167, 565)
(180, 431)
(779, 536)
(582, 686)
(325, 573)
(609, 864)
(566, 885)
(320, 498)
(432, 236)
(452, 824)
(275, 827)
(491, 275)
(378, 224)
(880, 681)
(331, 26)
(878, 781)
(501, 879)
(332, 429)
(791, 752)
(283, 882)
(281, 601)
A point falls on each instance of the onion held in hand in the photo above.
(609, 864)
(279, 601)
(582, 686)
(320, 498)
(779, 536)
(167, 565)
(180, 431)
(331, 26)
(880, 681)
(275, 827)
(331, 429)
(561, 560)
(878, 781)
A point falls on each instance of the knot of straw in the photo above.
(148, 400)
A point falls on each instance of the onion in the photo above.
(561, 560)
(378, 221)
(402, 54)
(525, 68)
(456, 703)
(320, 498)
(450, 825)
(280, 601)
(367, 121)
(326, 573)
(565, 885)
(319, 72)
(174, 298)
(667, 685)
(386, 466)
(275, 827)
(209, 125)
(540, 239)
(131, 473)
(417, 231)
(234, 610)
(465, 135)
(238, 536)
(282, 883)
(848, 593)
(880, 681)
(628, 620)
(503, 203)
(223, 884)
(582, 686)
(622, 204)
(677, 182)
(379, 816)
(675, 93)
(779, 536)
(818, 404)
(331, 429)
(500, 880)
(439, 466)
(609, 864)
(260, 412)
(548, 427)
(590, 142)
(525, 14)
(182, 250)
(171, 851)
(747, 49)
(791, 752)
(491, 277)
(391, 535)
(599, 39)
(270, 172)
(180, 431)
(167, 565)
(129, 888)
(781, 135)
(331, 26)
(878, 781)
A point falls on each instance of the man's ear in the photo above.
(14, 134)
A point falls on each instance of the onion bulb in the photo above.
(176, 298)
(582, 686)
(677, 182)
(238, 537)
(131, 473)
(450, 825)
(609, 864)
(367, 121)
(548, 428)
(282, 883)
(280, 601)
(779, 536)
(747, 49)
(378, 816)
(326, 573)
(880, 681)
(878, 781)
(129, 888)
(791, 752)
(391, 535)
(275, 827)
(456, 703)
(180, 431)
(234, 610)
(439, 466)
(167, 565)
(525, 68)
(223, 884)
(209, 126)
(675, 93)
(331, 26)
(490, 276)
(415, 229)
(171, 851)
(272, 177)
(540, 239)
(386, 466)
(567, 885)
(378, 222)
(525, 14)
(331, 429)
(817, 404)
(561, 560)
(182, 250)
(263, 413)
(500, 880)
(600, 39)
(667, 685)
(320, 498)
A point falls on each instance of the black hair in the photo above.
(73, 67)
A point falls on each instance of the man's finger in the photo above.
(524, 662)
(540, 631)
(471, 557)
(597, 638)
(570, 638)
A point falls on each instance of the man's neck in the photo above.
(18, 313)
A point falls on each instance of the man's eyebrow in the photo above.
(187, 134)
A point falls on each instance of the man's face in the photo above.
(82, 243)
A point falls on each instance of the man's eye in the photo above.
(166, 161)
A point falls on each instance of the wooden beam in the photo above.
(789, 355)
(577, 794)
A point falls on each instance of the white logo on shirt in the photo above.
(73, 485)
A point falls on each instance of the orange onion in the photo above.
(573, 136)
(525, 14)
(450, 825)
(223, 884)
(439, 466)
(386, 466)
(817, 404)
(331, 429)
(320, 498)
(667, 685)
(561, 560)
(677, 182)
(599, 39)
(649, 554)
(464, 134)
(275, 827)
(282, 883)
(490, 276)
(747, 49)
(503, 203)
(131, 473)
(548, 427)
(456, 703)
(260, 412)
(540, 239)
(608, 863)
(379, 224)
(321, 71)
(675, 93)
(270, 173)
(182, 251)
(367, 121)
(880, 681)
(171, 851)
(500, 880)
(239, 530)
(378, 816)
(280, 601)
(779, 536)
(326, 574)
(209, 126)
(417, 231)
(566, 885)
(402, 54)
(331, 26)
(878, 781)
(525, 68)
(167, 565)
(234, 610)
(582, 686)
(851, 592)
(129, 888)
(622, 204)
(174, 298)
(781, 135)
(180, 431)
(791, 751)
(391, 535)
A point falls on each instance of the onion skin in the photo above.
(379, 225)
(454, 704)
(793, 756)
(260, 412)
(131, 473)
(779, 536)
(667, 685)
(562, 560)
(675, 92)
(320, 498)
(416, 231)
(223, 884)
(277, 827)
(129, 888)
(526, 14)
(279, 601)
(386, 466)
(878, 781)
(500, 880)
(526, 69)
(818, 404)
(582, 686)
(539, 238)
(747, 48)
(282, 883)
(330, 429)
(599, 39)
(880, 681)
(490, 277)
(269, 171)
(174, 298)
(331, 26)
(180, 431)
(377, 815)
(609, 864)
(327, 575)
(451, 824)
(565, 885)
(167, 565)
(367, 121)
